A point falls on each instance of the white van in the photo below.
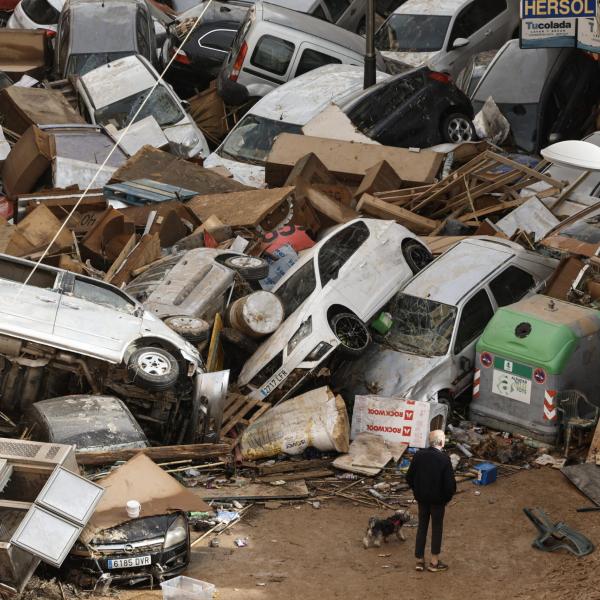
(276, 44)
(285, 110)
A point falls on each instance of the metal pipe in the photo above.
(370, 60)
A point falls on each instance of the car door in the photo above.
(214, 46)
(484, 25)
(311, 57)
(96, 319)
(28, 310)
(474, 316)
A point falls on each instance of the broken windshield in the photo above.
(413, 33)
(297, 288)
(160, 105)
(80, 64)
(252, 139)
(421, 326)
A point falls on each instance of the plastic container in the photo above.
(383, 323)
(186, 588)
(487, 473)
(133, 509)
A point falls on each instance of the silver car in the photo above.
(438, 317)
(89, 318)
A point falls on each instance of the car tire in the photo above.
(191, 329)
(249, 267)
(457, 128)
(153, 368)
(416, 255)
(351, 332)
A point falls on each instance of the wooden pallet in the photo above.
(241, 410)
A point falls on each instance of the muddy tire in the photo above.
(153, 368)
(249, 267)
(191, 329)
(457, 128)
(352, 333)
(416, 255)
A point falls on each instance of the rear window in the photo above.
(273, 54)
(413, 33)
(80, 64)
(40, 12)
(311, 59)
(220, 39)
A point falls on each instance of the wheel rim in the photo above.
(351, 333)
(459, 130)
(153, 363)
(245, 262)
(419, 256)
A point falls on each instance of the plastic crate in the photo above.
(186, 588)
(488, 473)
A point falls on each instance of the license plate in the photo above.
(280, 376)
(511, 386)
(129, 563)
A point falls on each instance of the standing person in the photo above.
(431, 478)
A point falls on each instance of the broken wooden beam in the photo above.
(381, 209)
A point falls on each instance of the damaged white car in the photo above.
(328, 295)
(112, 95)
(73, 317)
(438, 317)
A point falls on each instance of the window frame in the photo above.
(455, 350)
(263, 68)
(503, 272)
(213, 31)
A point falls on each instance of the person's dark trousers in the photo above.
(436, 514)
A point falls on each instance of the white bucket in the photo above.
(133, 509)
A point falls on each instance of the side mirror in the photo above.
(460, 43)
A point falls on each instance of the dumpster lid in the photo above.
(539, 330)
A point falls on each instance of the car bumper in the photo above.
(91, 571)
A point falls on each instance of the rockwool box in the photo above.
(398, 419)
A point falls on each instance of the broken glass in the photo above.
(421, 326)
(297, 288)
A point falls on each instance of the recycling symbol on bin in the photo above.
(505, 386)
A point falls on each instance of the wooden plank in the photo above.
(215, 358)
(333, 210)
(118, 263)
(490, 210)
(287, 466)
(313, 474)
(294, 490)
(159, 453)
(526, 170)
(378, 208)
(146, 251)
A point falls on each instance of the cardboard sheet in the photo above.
(143, 480)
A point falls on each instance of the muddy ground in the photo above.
(316, 554)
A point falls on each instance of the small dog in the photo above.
(381, 529)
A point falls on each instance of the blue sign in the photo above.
(557, 9)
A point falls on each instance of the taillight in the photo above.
(486, 359)
(441, 77)
(181, 57)
(49, 33)
(239, 62)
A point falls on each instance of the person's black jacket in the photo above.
(431, 477)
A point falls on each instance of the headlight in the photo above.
(319, 352)
(177, 533)
(303, 331)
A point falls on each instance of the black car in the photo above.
(417, 108)
(198, 62)
(140, 552)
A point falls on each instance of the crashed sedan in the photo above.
(438, 317)
(328, 296)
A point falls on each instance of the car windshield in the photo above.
(421, 326)
(80, 64)
(252, 139)
(160, 105)
(298, 288)
(413, 33)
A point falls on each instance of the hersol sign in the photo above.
(558, 9)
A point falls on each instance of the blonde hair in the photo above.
(437, 438)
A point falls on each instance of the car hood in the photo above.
(136, 530)
(387, 372)
(252, 175)
(414, 59)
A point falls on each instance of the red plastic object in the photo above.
(6, 208)
(293, 235)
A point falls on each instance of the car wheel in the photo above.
(249, 267)
(153, 368)
(458, 128)
(352, 333)
(416, 255)
(189, 328)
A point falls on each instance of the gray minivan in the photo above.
(276, 44)
(92, 33)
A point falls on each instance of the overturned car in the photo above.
(62, 333)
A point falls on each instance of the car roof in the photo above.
(303, 98)
(311, 26)
(430, 7)
(460, 269)
(299, 5)
(117, 80)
